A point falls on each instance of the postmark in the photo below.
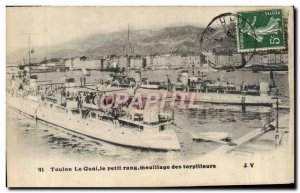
(219, 43)
(264, 26)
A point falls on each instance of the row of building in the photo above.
(249, 59)
(167, 61)
(134, 62)
(172, 61)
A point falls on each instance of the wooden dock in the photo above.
(253, 134)
(283, 122)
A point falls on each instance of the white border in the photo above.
(4, 3)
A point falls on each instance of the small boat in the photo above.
(281, 72)
(151, 85)
(258, 109)
(212, 136)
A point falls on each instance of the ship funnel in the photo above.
(151, 114)
(264, 88)
(137, 76)
(184, 76)
(33, 81)
(70, 82)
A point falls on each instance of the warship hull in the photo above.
(202, 97)
(105, 131)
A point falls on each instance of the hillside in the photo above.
(182, 40)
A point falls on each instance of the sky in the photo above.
(58, 25)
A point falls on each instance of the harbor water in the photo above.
(36, 137)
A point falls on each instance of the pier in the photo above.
(256, 133)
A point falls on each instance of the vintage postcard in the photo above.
(149, 96)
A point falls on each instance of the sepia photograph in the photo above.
(161, 96)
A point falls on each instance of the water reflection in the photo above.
(211, 118)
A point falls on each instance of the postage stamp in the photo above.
(264, 26)
(220, 38)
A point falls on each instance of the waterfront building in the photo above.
(80, 62)
(136, 62)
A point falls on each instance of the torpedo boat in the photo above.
(131, 127)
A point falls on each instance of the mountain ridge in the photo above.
(181, 40)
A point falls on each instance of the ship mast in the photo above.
(29, 57)
(128, 47)
(128, 32)
(29, 48)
